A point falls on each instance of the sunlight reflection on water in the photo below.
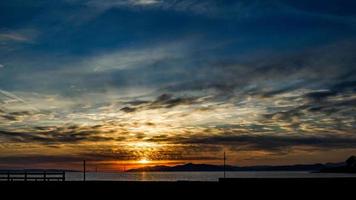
(193, 176)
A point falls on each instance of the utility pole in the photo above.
(224, 164)
(84, 170)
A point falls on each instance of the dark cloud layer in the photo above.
(14, 116)
(163, 101)
(56, 135)
(275, 143)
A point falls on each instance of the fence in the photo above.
(32, 176)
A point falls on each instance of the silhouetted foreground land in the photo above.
(349, 167)
(300, 187)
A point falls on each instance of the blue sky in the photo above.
(269, 82)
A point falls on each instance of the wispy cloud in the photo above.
(106, 4)
(137, 57)
(12, 98)
(207, 8)
(22, 35)
(13, 37)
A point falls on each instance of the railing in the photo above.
(32, 176)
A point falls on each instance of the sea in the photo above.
(195, 176)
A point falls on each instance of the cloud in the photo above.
(137, 57)
(274, 143)
(144, 2)
(108, 71)
(234, 9)
(275, 74)
(166, 101)
(128, 109)
(106, 4)
(39, 159)
(11, 98)
(211, 8)
(20, 36)
(14, 116)
(57, 135)
(13, 37)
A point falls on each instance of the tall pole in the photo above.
(224, 164)
(84, 170)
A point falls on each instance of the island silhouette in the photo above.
(348, 166)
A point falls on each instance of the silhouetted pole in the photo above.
(84, 170)
(224, 164)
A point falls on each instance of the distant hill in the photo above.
(206, 167)
(348, 167)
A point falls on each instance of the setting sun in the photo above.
(144, 161)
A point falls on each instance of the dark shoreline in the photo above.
(229, 186)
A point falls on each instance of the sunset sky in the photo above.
(127, 83)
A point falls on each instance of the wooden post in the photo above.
(44, 176)
(25, 175)
(63, 176)
(84, 170)
(8, 176)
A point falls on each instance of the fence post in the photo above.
(224, 164)
(84, 170)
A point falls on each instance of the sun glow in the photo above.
(144, 161)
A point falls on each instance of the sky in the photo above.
(122, 83)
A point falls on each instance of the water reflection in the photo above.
(193, 176)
